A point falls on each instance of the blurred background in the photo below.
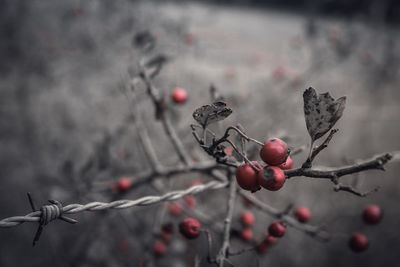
(64, 104)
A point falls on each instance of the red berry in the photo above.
(274, 152)
(190, 201)
(279, 72)
(372, 214)
(277, 229)
(247, 218)
(123, 246)
(246, 202)
(190, 228)
(246, 234)
(174, 208)
(190, 39)
(246, 176)
(358, 242)
(288, 164)
(159, 248)
(167, 228)
(267, 243)
(166, 237)
(271, 178)
(230, 74)
(270, 240)
(302, 214)
(262, 248)
(228, 151)
(197, 181)
(123, 184)
(179, 95)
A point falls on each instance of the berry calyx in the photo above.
(174, 208)
(179, 95)
(124, 184)
(288, 164)
(247, 218)
(277, 229)
(190, 228)
(246, 234)
(302, 214)
(271, 178)
(246, 176)
(159, 248)
(358, 242)
(274, 152)
(372, 214)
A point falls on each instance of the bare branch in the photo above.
(223, 253)
(149, 176)
(324, 144)
(159, 105)
(351, 189)
(209, 246)
(241, 251)
(376, 163)
(149, 150)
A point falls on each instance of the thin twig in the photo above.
(314, 151)
(222, 256)
(159, 104)
(324, 144)
(348, 188)
(210, 259)
(376, 163)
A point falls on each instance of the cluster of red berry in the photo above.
(276, 229)
(247, 219)
(275, 153)
(189, 228)
(372, 214)
(176, 208)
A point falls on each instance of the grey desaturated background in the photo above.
(63, 67)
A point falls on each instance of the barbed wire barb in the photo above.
(48, 213)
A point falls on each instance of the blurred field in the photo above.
(61, 92)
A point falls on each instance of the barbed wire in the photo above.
(118, 204)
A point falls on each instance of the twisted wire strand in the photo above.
(50, 212)
(119, 204)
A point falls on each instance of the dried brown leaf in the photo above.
(321, 112)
